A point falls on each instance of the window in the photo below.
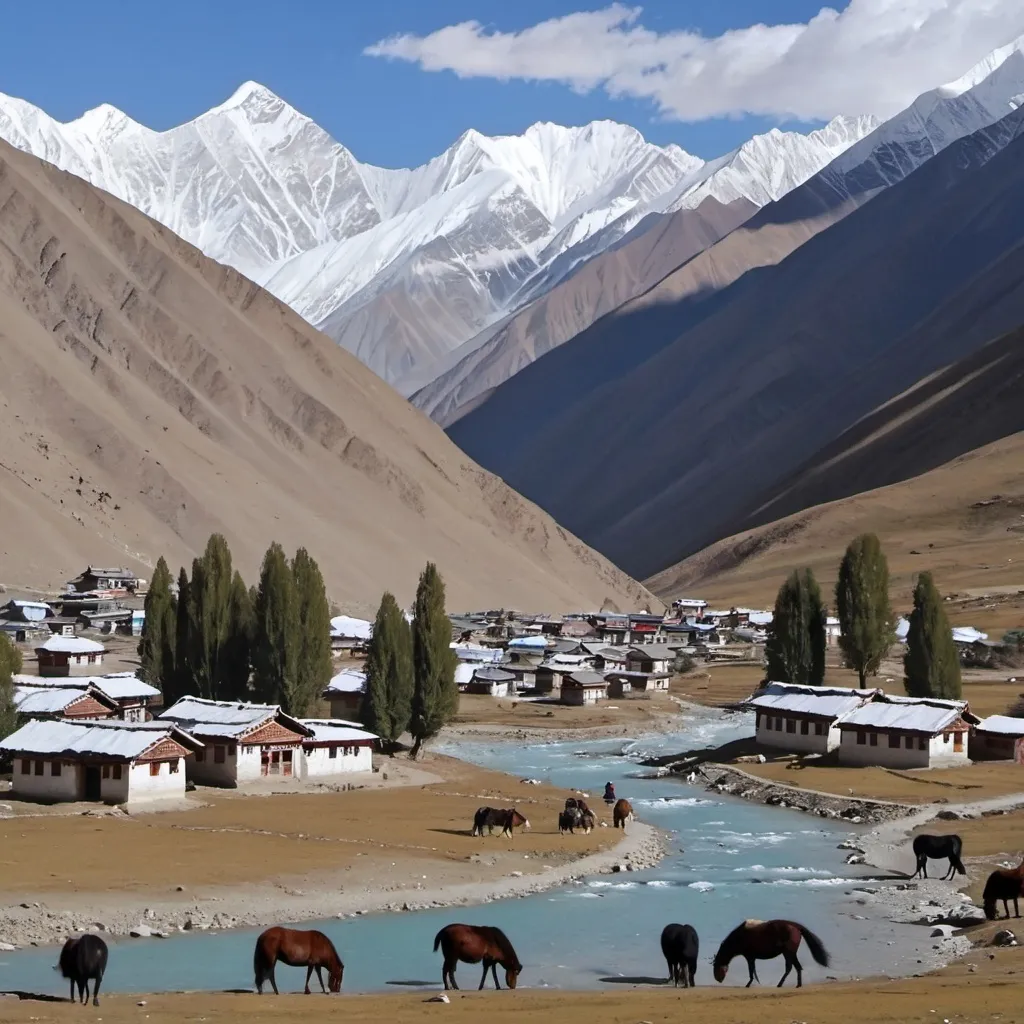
(231, 749)
(154, 767)
(333, 752)
(861, 737)
(894, 740)
(945, 739)
(909, 744)
(55, 767)
(39, 768)
(173, 765)
(26, 766)
(92, 659)
(106, 771)
(218, 754)
(922, 743)
(790, 725)
(819, 729)
(768, 722)
(116, 771)
(805, 727)
(778, 724)
(200, 755)
(873, 741)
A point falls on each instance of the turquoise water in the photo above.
(729, 860)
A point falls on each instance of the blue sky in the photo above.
(165, 64)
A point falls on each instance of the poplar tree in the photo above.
(931, 666)
(313, 655)
(867, 626)
(181, 682)
(795, 650)
(435, 695)
(10, 666)
(210, 617)
(157, 643)
(237, 652)
(387, 706)
(275, 631)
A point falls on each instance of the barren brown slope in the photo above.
(149, 396)
(599, 286)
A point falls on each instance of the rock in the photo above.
(1004, 938)
(142, 931)
(948, 815)
(141, 1002)
(942, 931)
(179, 888)
(855, 858)
(440, 998)
(964, 915)
(6, 947)
(849, 844)
(517, 874)
(773, 800)
(149, 914)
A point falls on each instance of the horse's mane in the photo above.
(501, 941)
(732, 939)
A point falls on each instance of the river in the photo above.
(728, 860)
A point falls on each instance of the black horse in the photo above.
(83, 960)
(680, 945)
(1003, 884)
(935, 848)
(569, 819)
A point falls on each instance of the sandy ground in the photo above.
(251, 859)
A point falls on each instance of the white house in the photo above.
(63, 702)
(348, 633)
(833, 630)
(491, 680)
(804, 719)
(69, 656)
(335, 747)
(551, 675)
(625, 684)
(650, 658)
(906, 732)
(583, 688)
(345, 692)
(131, 694)
(243, 742)
(110, 761)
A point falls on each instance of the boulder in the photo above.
(1004, 938)
(141, 931)
(948, 815)
(855, 858)
(942, 931)
(965, 915)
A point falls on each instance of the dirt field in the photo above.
(991, 992)
(508, 712)
(378, 837)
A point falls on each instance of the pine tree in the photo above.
(157, 643)
(931, 666)
(237, 652)
(313, 665)
(435, 694)
(795, 650)
(181, 682)
(275, 631)
(387, 706)
(10, 665)
(862, 605)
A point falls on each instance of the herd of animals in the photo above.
(84, 959)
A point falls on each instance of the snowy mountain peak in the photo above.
(983, 69)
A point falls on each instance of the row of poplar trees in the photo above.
(10, 666)
(410, 669)
(795, 651)
(219, 639)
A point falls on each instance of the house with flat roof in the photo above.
(335, 747)
(584, 687)
(654, 659)
(491, 681)
(243, 742)
(345, 693)
(96, 578)
(997, 738)
(110, 761)
(69, 656)
(629, 684)
(551, 675)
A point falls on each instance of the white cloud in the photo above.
(874, 57)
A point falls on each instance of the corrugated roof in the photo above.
(46, 700)
(587, 679)
(464, 672)
(333, 730)
(656, 652)
(71, 645)
(1004, 725)
(906, 714)
(115, 739)
(225, 718)
(827, 701)
(349, 680)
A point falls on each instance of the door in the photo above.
(92, 782)
(286, 762)
(958, 742)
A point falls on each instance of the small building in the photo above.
(584, 687)
(26, 611)
(577, 629)
(654, 659)
(117, 581)
(491, 681)
(833, 631)
(110, 761)
(626, 684)
(611, 659)
(906, 732)
(997, 738)
(552, 673)
(335, 747)
(63, 702)
(804, 719)
(645, 628)
(243, 742)
(350, 634)
(523, 674)
(345, 693)
(689, 607)
(134, 697)
(69, 656)
(611, 629)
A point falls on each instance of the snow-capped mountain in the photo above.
(401, 267)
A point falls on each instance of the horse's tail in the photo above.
(815, 945)
(437, 939)
(958, 864)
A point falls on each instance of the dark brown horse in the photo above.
(312, 950)
(765, 940)
(1003, 884)
(475, 943)
(488, 817)
(621, 813)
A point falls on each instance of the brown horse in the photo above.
(621, 813)
(472, 943)
(312, 950)
(765, 940)
(1003, 884)
(488, 817)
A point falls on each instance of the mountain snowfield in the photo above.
(402, 267)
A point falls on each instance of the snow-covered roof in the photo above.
(474, 652)
(1003, 725)
(334, 730)
(564, 662)
(46, 700)
(967, 635)
(902, 628)
(71, 645)
(760, 618)
(119, 686)
(108, 738)
(827, 701)
(907, 714)
(225, 718)
(350, 628)
(348, 680)
(464, 672)
(538, 642)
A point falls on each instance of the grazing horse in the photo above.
(765, 940)
(680, 945)
(935, 848)
(569, 819)
(472, 943)
(587, 821)
(1003, 884)
(83, 960)
(621, 813)
(491, 816)
(312, 950)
